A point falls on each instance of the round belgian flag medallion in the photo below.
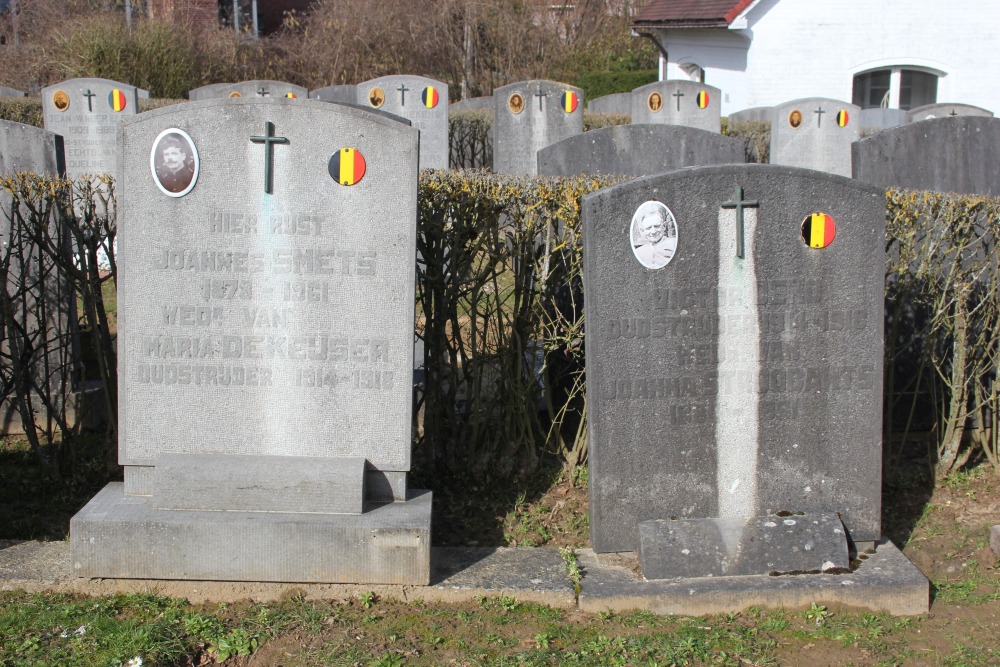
(818, 230)
(347, 166)
(430, 97)
(842, 118)
(116, 99)
(703, 99)
(570, 101)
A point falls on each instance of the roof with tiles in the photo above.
(689, 13)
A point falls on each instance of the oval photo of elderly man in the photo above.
(174, 162)
(653, 235)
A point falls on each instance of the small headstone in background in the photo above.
(261, 89)
(734, 351)
(527, 117)
(959, 154)
(265, 350)
(142, 93)
(345, 93)
(49, 303)
(686, 103)
(209, 92)
(753, 114)
(616, 103)
(6, 91)
(874, 120)
(421, 100)
(815, 133)
(945, 110)
(637, 150)
(473, 104)
(86, 112)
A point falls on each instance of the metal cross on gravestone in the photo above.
(540, 95)
(819, 116)
(678, 94)
(90, 99)
(269, 140)
(739, 204)
(402, 94)
(263, 92)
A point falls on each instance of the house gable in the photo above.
(690, 13)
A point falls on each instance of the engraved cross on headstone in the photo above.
(540, 95)
(739, 204)
(263, 92)
(90, 99)
(269, 140)
(402, 94)
(678, 94)
(819, 116)
(953, 113)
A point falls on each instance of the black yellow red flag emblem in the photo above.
(348, 166)
(703, 99)
(570, 101)
(430, 97)
(819, 230)
(116, 99)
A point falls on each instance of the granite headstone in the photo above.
(616, 103)
(265, 350)
(686, 103)
(421, 100)
(261, 88)
(960, 154)
(87, 112)
(815, 133)
(753, 114)
(6, 91)
(734, 352)
(473, 104)
(944, 110)
(637, 150)
(346, 93)
(209, 92)
(882, 119)
(527, 117)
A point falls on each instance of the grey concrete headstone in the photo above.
(527, 117)
(815, 133)
(753, 114)
(944, 110)
(882, 119)
(616, 103)
(87, 112)
(25, 148)
(959, 154)
(347, 93)
(473, 104)
(423, 101)
(209, 92)
(729, 387)
(260, 89)
(637, 150)
(264, 318)
(6, 91)
(142, 93)
(687, 103)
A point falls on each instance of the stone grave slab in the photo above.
(261, 88)
(346, 93)
(7, 91)
(637, 150)
(742, 376)
(873, 120)
(753, 114)
(616, 103)
(957, 154)
(423, 101)
(527, 117)
(473, 104)
(86, 112)
(945, 110)
(264, 321)
(815, 133)
(686, 103)
(48, 304)
(209, 92)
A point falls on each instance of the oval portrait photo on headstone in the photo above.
(653, 235)
(174, 162)
(516, 103)
(795, 118)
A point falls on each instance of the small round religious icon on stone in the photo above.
(654, 102)
(60, 100)
(174, 162)
(795, 118)
(653, 235)
(235, 94)
(516, 103)
(818, 230)
(376, 97)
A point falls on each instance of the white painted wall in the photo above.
(813, 48)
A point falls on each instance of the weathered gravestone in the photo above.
(421, 100)
(473, 104)
(260, 88)
(959, 154)
(945, 110)
(6, 91)
(348, 94)
(815, 133)
(40, 298)
(209, 92)
(882, 119)
(618, 103)
(734, 368)
(265, 351)
(86, 112)
(527, 117)
(687, 103)
(637, 150)
(751, 115)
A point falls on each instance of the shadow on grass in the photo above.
(906, 493)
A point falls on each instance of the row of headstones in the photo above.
(265, 349)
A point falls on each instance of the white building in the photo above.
(896, 53)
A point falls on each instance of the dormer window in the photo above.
(895, 88)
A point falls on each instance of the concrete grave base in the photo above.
(885, 581)
(119, 536)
